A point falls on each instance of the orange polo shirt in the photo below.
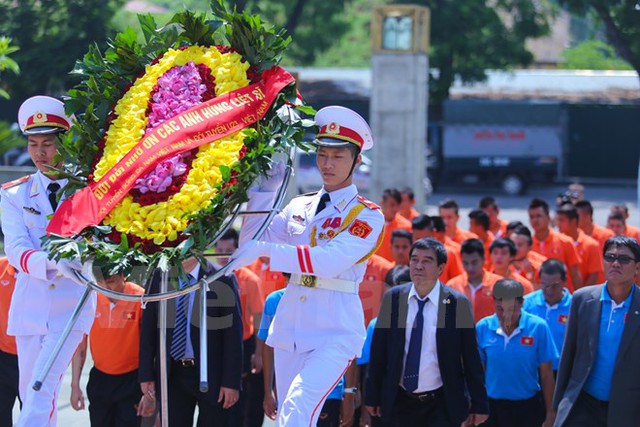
(590, 256)
(115, 335)
(453, 267)
(270, 281)
(526, 283)
(487, 255)
(632, 231)
(502, 231)
(373, 286)
(251, 299)
(412, 214)
(397, 223)
(461, 235)
(560, 247)
(601, 234)
(7, 285)
(532, 272)
(482, 299)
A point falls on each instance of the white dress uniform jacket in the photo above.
(43, 299)
(309, 318)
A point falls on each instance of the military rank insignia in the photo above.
(563, 318)
(526, 341)
(360, 229)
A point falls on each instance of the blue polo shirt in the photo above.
(511, 363)
(556, 316)
(268, 313)
(366, 348)
(612, 320)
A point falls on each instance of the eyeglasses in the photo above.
(622, 259)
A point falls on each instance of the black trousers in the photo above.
(8, 387)
(184, 395)
(248, 412)
(410, 412)
(587, 411)
(112, 399)
(521, 413)
(330, 413)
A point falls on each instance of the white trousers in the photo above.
(39, 408)
(304, 380)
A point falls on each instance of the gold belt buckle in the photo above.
(308, 281)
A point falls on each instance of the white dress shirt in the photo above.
(429, 376)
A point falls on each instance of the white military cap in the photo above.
(40, 115)
(340, 127)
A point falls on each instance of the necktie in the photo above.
(179, 339)
(53, 190)
(412, 365)
(323, 202)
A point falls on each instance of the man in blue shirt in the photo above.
(599, 372)
(517, 350)
(552, 301)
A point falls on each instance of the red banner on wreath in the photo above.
(202, 124)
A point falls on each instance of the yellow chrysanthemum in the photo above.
(165, 220)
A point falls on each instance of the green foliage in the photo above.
(51, 35)
(106, 76)
(9, 137)
(7, 63)
(621, 22)
(593, 55)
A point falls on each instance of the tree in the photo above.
(593, 55)
(51, 36)
(7, 63)
(470, 36)
(621, 20)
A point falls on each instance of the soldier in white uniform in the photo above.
(45, 293)
(323, 240)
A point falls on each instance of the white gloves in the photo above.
(68, 269)
(274, 177)
(248, 253)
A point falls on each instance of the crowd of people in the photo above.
(422, 324)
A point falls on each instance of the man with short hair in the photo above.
(401, 241)
(553, 245)
(475, 283)
(497, 226)
(591, 269)
(629, 230)
(551, 302)
(502, 252)
(598, 376)
(526, 262)
(407, 209)
(479, 224)
(617, 224)
(424, 367)
(586, 224)
(448, 210)
(425, 226)
(391, 200)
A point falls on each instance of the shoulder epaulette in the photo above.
(313, 193)
(368, 203)
(16, 182)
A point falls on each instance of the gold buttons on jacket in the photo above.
(52, 286)
(303, 298)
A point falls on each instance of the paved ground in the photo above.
(512, 208)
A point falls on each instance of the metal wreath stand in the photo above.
(165, 294)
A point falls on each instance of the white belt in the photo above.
(340, 285)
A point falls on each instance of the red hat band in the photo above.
(41, 119)
(335, 131)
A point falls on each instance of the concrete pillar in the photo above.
(399, 100)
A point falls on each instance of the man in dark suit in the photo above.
(224, 341)
(599, 374)
(425, 369)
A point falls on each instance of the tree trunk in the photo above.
(294, 17)
(617, 38)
